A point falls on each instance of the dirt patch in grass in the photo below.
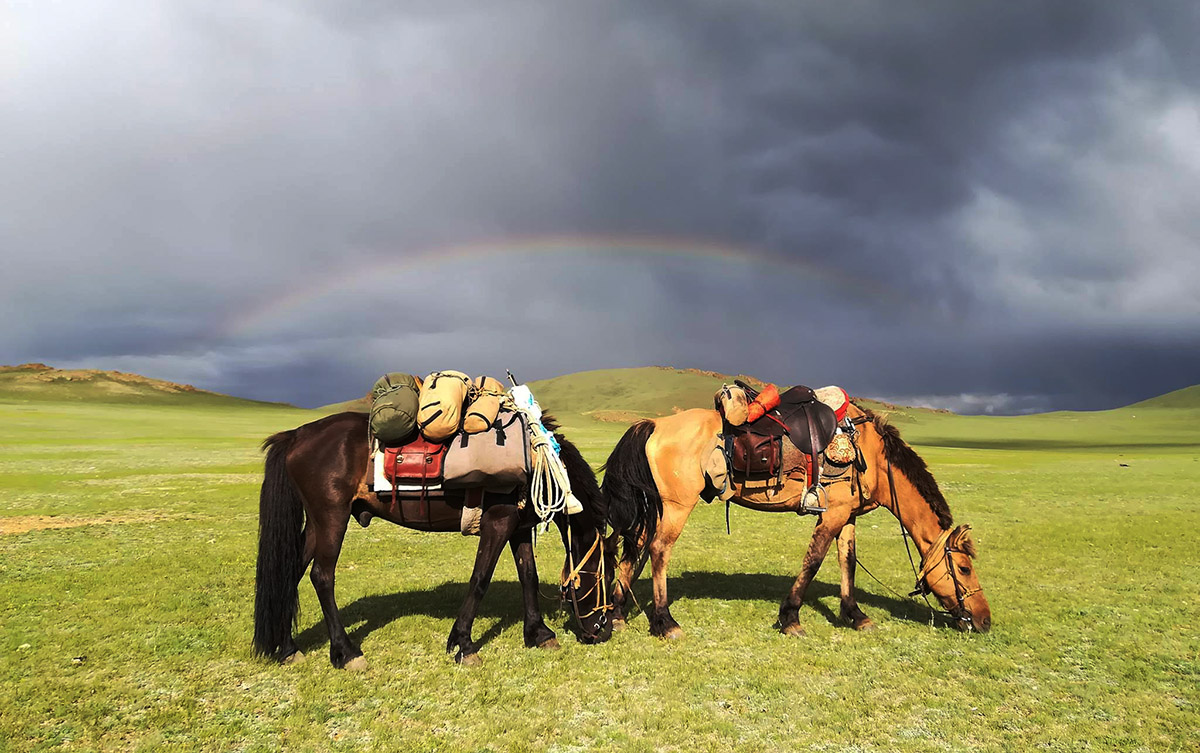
(25, 523)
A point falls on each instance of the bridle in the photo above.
(571, 583)
(946, 543)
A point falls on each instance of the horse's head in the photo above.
(948, 572)
(587, 578)
(586, 575)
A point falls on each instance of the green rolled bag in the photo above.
(395, 400)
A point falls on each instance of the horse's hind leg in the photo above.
(537, 633)
(495, 528)
(847, 557)
(290, 652)
(662, 623)
(328, 534)
(829, 525)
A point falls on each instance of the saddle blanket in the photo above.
(835, 397)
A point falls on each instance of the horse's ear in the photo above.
(963, 541)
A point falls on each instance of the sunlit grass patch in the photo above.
(133, 631)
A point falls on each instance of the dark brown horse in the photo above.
(314, 479)
(655, 477)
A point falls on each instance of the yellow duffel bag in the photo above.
(443, 394)
(483, 404)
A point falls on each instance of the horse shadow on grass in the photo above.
(370, 613)
(772, 588)
(503, 603)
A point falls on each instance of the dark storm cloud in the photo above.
(1009, 181)
(897, 115)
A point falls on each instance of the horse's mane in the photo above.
(580, 473)
(905, 460)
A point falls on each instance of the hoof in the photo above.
(793, 631)
(673, 634)
(357, 664)
(550, 645)
(294, 658)
(468, 660)
(618, 626)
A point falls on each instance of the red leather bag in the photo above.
(420, 462)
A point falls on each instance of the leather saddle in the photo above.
(756, 448)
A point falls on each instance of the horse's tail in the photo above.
(280, 551)
(634, 504)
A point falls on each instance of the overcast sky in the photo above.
(987, 206)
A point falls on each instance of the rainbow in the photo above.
(264, 314)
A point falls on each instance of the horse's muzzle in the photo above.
(974, 624)
(598, 632)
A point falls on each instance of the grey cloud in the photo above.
(1010, 173)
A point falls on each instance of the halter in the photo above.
(571, 582)
(945, 544)
(922, 587)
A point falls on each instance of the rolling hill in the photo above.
(357, 405)
(613, 395)
(39, 383)
(1187, 398)
(594, 400)
(626, 395)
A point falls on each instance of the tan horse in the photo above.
(656, 475)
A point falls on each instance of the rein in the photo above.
(928, 562)
(571, 582)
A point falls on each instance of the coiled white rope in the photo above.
(549, 487)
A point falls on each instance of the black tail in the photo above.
(634, 505)
(280, 552)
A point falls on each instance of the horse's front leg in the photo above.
(537, 633)
(627, 571)
(328, 529)
(496, 527)
(829, 525)
(848, 559)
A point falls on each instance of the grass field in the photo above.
(126, 583)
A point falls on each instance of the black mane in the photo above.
(905, 460)
(580, 473)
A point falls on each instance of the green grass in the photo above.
(133, 632)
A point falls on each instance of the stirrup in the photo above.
(815, 493)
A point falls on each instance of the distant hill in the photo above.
(1186, 398)
(627, 395)
(357, 405)
(620, 395)
(37, 382)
